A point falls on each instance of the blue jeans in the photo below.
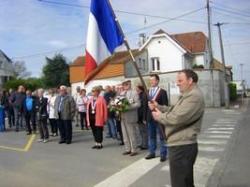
(112, 127)
(153, 130)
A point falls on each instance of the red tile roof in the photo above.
(194, 42)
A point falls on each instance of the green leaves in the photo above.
(56, 72)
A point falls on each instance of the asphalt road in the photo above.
(222, 161)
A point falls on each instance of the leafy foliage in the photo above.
(232, 91)
(56, 72)
(30, 83)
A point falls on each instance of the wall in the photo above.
(213, 97)
(76, 74)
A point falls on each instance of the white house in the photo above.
(6, 68)
(169, 53)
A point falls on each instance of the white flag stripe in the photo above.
(96, 46)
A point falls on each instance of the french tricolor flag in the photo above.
(103, 35)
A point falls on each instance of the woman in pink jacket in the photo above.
(97, 116)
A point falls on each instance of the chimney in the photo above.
(142, 39)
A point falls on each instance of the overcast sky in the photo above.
(30, 30)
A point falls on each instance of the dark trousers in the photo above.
(119, 129)
(28, 120)
(181, 162)
(18, 118)
(43, 128)
(65, 128)
(97, 133)
(11, 116)
(83, 120)
(54, 126)
(144, 134)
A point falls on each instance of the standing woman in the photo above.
(81, 102)
(97, 116)
(51, 111)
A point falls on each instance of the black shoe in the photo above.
(163, 159)
(121, 143)
(133, 153)
(126, 153)
(77, 125)
(28, 133)
(99, 147)
(60, 142)
(150, 156)
(95, 147)
(143, 148)
(68, 142)
(17, 130)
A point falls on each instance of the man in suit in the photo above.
(65, 109)
(160, 96)
(42, 117)
(183, 123)
(129, 120)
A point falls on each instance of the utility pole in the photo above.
(226, 92)
(210, 51)
(241, 76)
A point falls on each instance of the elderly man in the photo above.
(42, 117)
(65, 109)
(182, 124)
(129, 120)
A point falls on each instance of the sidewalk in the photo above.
(234, 168)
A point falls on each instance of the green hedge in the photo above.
(30, 83)
(232, 91)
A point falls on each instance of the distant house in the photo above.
(6, 68)
(110, 72)
(165, 55)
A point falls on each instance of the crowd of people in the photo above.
(58, 109)
(144, 117)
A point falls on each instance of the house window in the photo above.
(155, 62)
(142, 64)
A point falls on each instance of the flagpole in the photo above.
(128, 48)
(162, 132)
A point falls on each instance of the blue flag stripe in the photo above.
(106, 24)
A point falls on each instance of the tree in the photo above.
(20, 70)
(56, 71)
(30, 83)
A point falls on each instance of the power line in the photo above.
(230, 8)
(48, 52)
(231, 12)
(127, 33)
(228, 15)
(162, 22)
(238, 43)
(122, 11)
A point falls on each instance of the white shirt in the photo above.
(51, 106)
(81, 103)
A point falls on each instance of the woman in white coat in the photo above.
(51, 112)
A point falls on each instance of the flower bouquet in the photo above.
(119, 105)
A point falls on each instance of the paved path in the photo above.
(78, 165)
